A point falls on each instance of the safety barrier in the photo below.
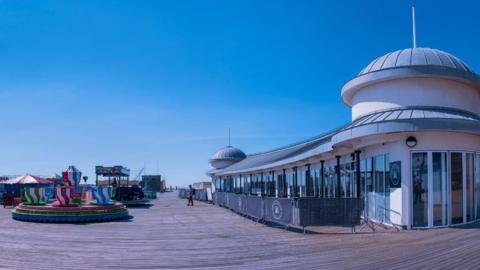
(294, 211)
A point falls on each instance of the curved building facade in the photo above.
(410, 156)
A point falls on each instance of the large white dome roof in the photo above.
(410, 63)
(415, 57)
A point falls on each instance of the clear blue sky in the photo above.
(160, 82)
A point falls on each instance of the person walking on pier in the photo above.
(191, 192)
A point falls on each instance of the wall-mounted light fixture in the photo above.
(411, 141)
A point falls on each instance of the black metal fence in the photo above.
(182, 193)
(297, 211)
(329, 211)
(200, 194)
(278, 210)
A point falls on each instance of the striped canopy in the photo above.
(27, 179)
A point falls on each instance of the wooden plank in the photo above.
(171, 235)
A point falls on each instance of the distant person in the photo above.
(190, 194)
(5, 199)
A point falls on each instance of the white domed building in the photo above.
(409, 158)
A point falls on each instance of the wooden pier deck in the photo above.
(171, 235)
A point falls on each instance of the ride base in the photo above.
(137, 203)
(70, 214)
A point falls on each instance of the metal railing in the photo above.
(308, 211)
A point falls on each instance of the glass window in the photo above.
(348, 180)
(469, 159)
(257, 185)
(239, 184)
(456, 187)
(246, 184)
(271, 185)
(296, 183)
(279, 185)
(343, 181)
(227, 184)
(282, 184)
(379, 187)
(301, 182)
(352, 179)
(329, 182)
(420, 189)
(266, 184)
(290, 182)
(315, 178)
(274, 185)
(333, 182)
(217, 185)
(326, 173)
(363, 175)
(477, 183)
(369, 189)
(309, 183)
(387, 189)
(439, 178)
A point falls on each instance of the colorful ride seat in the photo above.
(34, 195)
(64, 196)
(102, 195)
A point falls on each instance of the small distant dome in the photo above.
(226, 156)
(408, 63)
(230, 153)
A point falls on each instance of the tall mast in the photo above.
(229, 137)
(414, 26)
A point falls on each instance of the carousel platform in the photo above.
(70, 214)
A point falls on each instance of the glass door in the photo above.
(456, 189)
(420, 189)
(445, 188)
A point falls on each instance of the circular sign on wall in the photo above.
(277, 210)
